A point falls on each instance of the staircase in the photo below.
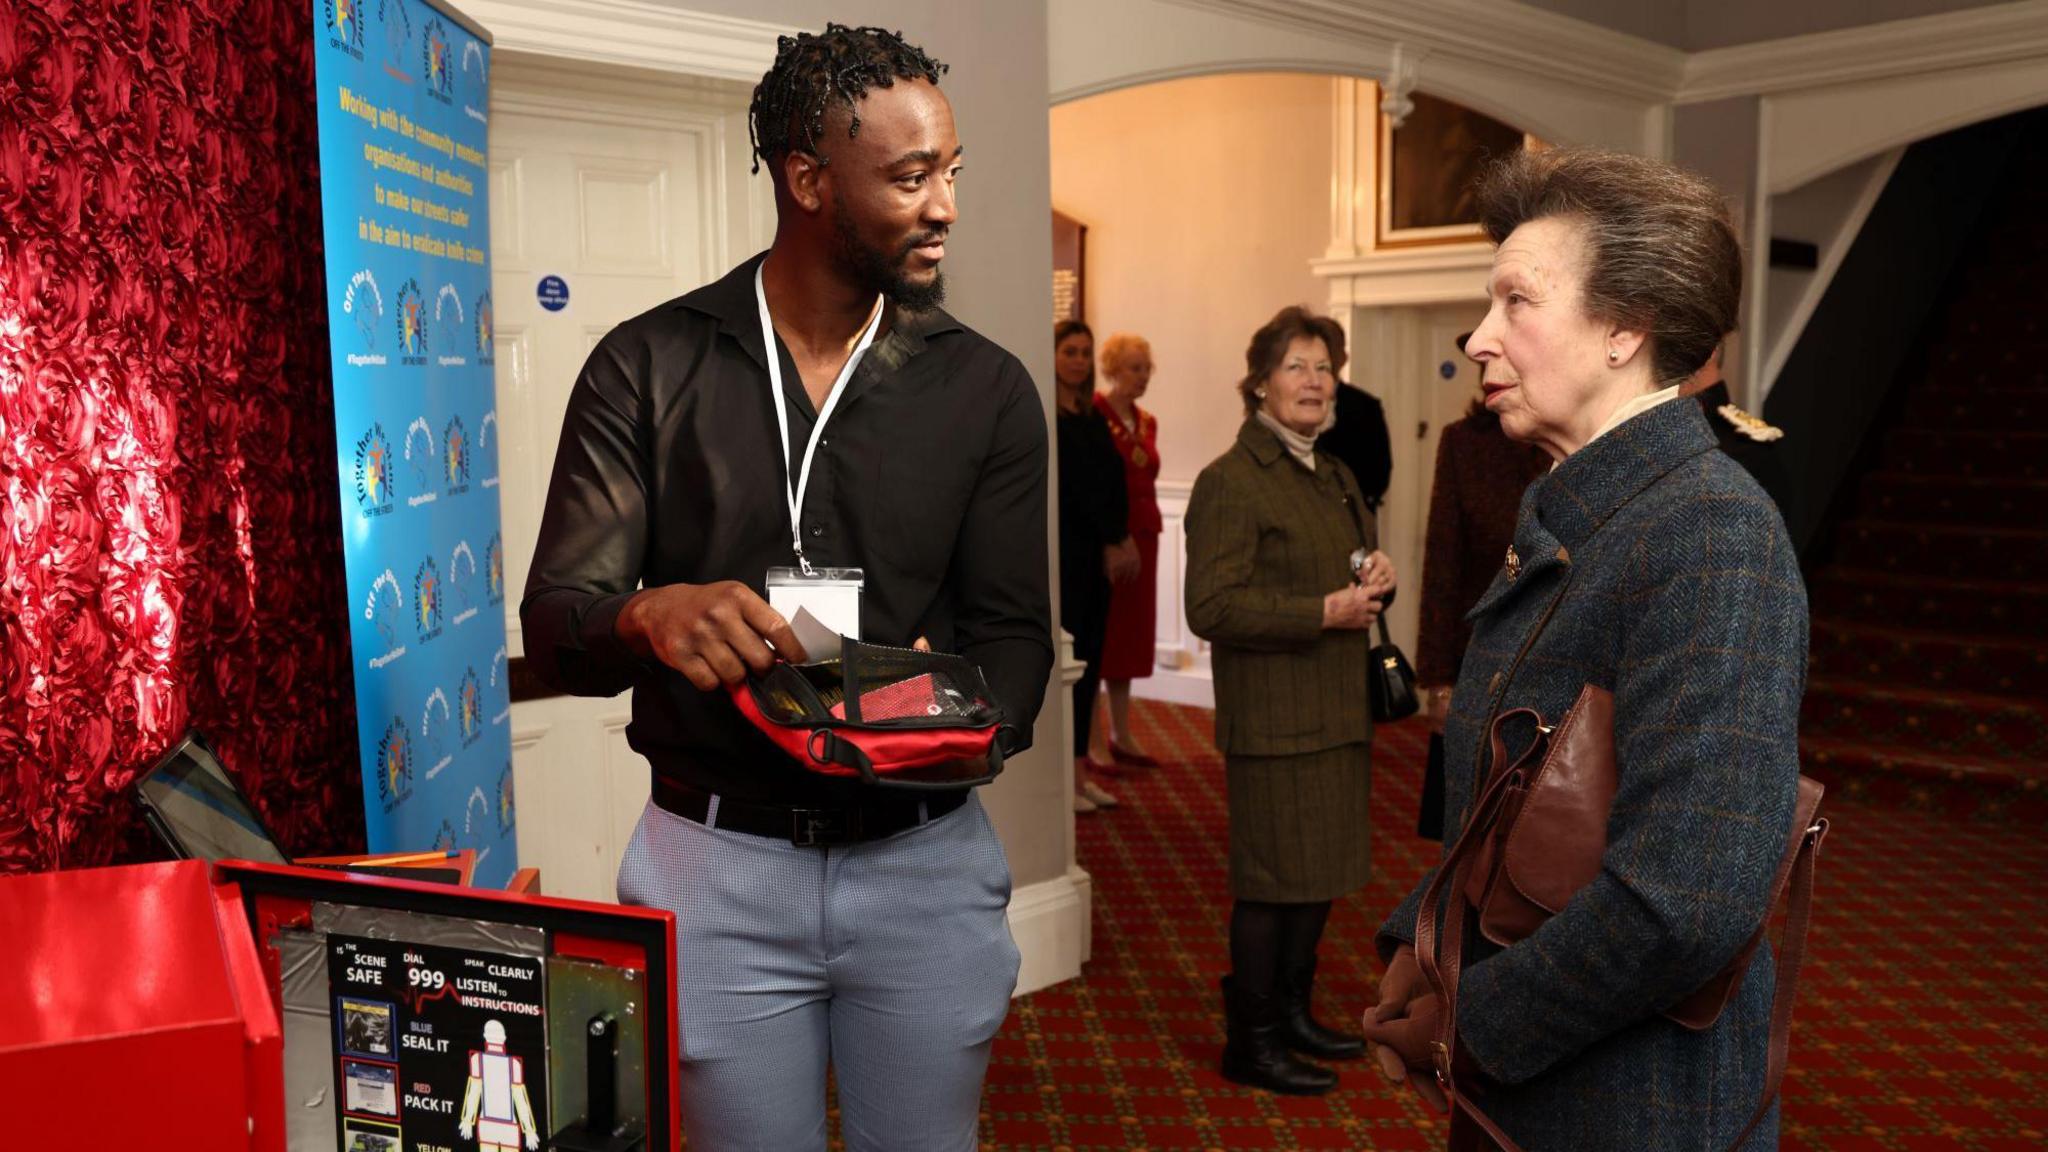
(1929, 677)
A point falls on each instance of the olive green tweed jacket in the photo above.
(1267, 540)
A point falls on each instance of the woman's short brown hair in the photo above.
(1662, 256)
(1333, 343)
(1268, 348)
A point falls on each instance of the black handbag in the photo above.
(1393, 681)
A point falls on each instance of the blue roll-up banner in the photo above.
(404, 196)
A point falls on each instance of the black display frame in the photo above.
(652, 932)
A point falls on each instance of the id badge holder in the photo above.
(830, 594)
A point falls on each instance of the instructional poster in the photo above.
(437, 1049)
(403, 90)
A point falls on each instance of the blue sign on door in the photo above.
(553, 293)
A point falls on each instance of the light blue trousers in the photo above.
(890, 959)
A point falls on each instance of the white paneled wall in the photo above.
(1181, 672)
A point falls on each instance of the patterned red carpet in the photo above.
(1923, 1020)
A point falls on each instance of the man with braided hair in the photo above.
(814, 409)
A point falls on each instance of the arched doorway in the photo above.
(1210, 202)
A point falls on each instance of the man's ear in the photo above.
(803, 175)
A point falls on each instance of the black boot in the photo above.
(1298, 1027)
(1255, 1054)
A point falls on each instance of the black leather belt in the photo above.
(808, 827)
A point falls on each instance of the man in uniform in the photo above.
(1747, 438)
(1359, 437)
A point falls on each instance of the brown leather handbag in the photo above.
(1536, 835)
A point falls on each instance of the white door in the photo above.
(632, 191)
(1403, 352)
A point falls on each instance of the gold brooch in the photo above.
(1514, 564)
(1754, 427)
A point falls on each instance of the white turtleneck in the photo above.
(1627, 412)
(1302, 448)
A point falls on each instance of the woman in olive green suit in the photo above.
(1284, 581)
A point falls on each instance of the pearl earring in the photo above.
(1613, 356)
(1260, 393)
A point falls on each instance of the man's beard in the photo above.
(875, 270)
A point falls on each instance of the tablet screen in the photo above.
(202, 812)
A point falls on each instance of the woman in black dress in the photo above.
(1095, 541)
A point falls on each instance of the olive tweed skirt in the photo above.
(1300, 827)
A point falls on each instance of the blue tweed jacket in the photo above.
(1684, 599)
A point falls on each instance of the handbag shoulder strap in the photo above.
(1354, 506)
(1441, 973)
(1791, 958)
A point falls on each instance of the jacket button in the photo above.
(816, 530)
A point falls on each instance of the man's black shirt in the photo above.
(931, 477)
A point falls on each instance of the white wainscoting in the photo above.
(580, 790)
(1050, 922)
(1181, 675)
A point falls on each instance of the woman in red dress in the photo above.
(1127, 649)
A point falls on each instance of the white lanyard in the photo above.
(799, 481)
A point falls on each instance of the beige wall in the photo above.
(1721, 140)
(1205, 200)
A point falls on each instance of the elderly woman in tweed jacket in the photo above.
(1283, 579)
(1666, 577)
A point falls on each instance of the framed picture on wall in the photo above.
(1428, 168)
(1069, 268)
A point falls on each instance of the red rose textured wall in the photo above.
(170, 552)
